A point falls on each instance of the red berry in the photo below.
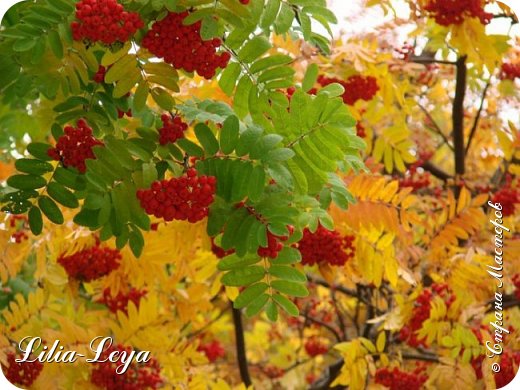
(508, 197)
(99, 77)
(212, 350)
(104, 21)
(182, 46)
(510, 71)
(91, 263)
(396, 379)
(325, 246)
(357, 87)
(75, 146)
(448, 12)
(23, 374)
(139, 376)
(315, 347)
(183, 198)
(421, 312)
(172, 130)
(121, 300)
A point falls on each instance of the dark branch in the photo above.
(458, 116)
(429, 60)
(325, 325)
(477, 118)
(436, 171)
(332, 372)
(241, 347)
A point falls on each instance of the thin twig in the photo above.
(477, 118)
(436, 127)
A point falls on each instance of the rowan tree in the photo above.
(256, 202)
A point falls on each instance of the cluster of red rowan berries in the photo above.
(314, 347)
(510, 71)
(421, 312)
(245, 2)
(139, 375)
(395, 379)
(415, 180)
(99, 77)
(274, 244)
(357, 87)
(104, 21)
(121, 300)
(448, 12)
(219, 251)
(90, 263)
(183, 198)
(325, 246)
(173, 128)
(23, 374)
(75, 146)
(509, 365)
(183, 47)
(213, 350)
(508, 197)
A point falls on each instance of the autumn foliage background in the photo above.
(347, 181)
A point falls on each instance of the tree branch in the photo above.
(435, 125)
(436, 171)
(477, 118)
(241, 347)
(458, 116)
(332, 372)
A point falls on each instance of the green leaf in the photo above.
(272, 311)
(163, 98)
(269, 62)
(257, 305)
(62, 195)
(241, 98)
(287, 273)
(32, 166)
(311, 75)
(233, 261)
(333, 90)
(22, 45)
(249, 295)
(26, 182)
(269, 15)
(229, 77)
(88, 218)
(68, 178)
(141, 93)
(35, 220)
(120, 68)
(284, 20)
(287, 305)
(278, 155)
(256, 184)
(149, 174)
(287, 255)
(243, 276)
(290, 288)
(191, 148)
(229, 134)
(206, 138)
(247, 139)
(50, 209)
(136, 242)
(55, 43)
(39, 150)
